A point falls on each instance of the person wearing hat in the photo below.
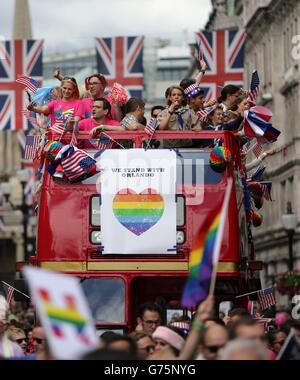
(176, 117)
(168, 337)
(195, 99)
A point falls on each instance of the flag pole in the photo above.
(219, 237)
(15, 289)
(213, 280)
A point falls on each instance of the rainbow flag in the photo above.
(205, 254)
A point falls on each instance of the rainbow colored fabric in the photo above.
(201, 262)
(138, 212)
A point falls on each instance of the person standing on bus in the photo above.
(176, 117)
(100, 120)
(63, 109)
(96, 84)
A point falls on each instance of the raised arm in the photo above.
(38, 109)
(204, 311)
(201, 73)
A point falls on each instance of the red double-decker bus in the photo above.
(69, 235)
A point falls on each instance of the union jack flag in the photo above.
(19, 58)
(223, 52)
(266, 298)
(120, 59)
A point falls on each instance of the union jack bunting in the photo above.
(223, 52)
(266, 298)
(20, 58)
(120, 59)
(254, 87)
(32, 144)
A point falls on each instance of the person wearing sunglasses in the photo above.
(145, 344)
(18, 336)
(38, 339)
(212, 340)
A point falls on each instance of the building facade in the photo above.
(271, 48)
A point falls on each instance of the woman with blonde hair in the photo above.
(63, 109)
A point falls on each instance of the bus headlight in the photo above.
(180, 237)
(96, 237)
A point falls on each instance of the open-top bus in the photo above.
(69, 235)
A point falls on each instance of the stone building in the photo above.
(271, 48)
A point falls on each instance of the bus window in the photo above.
(106, 298)
(193, 168)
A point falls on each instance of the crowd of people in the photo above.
(210, 334)
(185, 108)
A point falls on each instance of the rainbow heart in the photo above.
(138, 212)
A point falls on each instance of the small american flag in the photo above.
(266, 298)
(57, 128)
(77, 164)
(257, 149)
(28, 82)
(267, 188)
(9, 290)
(32, 144)
(151, 126)
(199, 48)
(254, 87)
(105, 142)
(202, 114)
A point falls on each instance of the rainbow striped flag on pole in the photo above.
(205, 253)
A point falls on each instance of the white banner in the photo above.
(138, 205)
(64, 313)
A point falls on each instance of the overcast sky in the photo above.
(66, 24)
